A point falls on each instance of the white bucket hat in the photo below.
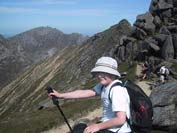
(106, 65)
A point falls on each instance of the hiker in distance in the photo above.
(164, 73)
(115, 102)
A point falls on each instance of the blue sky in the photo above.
(83, 16)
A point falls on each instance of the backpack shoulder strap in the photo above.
(115, 84)
(123, 85)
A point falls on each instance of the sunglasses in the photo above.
(101, 74)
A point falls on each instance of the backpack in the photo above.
(79, 128)
(141, 111)
(167, 71)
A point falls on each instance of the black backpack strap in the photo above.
(123, 85)
(115, 84)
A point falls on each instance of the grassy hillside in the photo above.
(65, 71)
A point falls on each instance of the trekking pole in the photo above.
(56, 102)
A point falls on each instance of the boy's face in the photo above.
(104, 78)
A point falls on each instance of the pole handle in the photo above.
(56, 102)
(54, 98)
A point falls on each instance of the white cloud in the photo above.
(71, 12)
(40, 2)
(18, 10)
(53, 2)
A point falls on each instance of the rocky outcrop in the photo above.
(164, 100)
(154, 32)
(154, 38)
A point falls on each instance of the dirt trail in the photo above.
(98, 112)
(143, 84)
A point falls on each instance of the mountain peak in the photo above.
(41, 31)
(2, 39)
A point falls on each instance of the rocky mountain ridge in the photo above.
(153, 36)
(23, 50)
(42, 42)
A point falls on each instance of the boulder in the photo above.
(170, 1)
(153, 44)
(162, 5)
(167, 50)
(160, 38)
(175, 3)
(172, 28)
(174, 10)
(128, 50)
(122, 40)
(145, 22)
(164, 101)
(164, 30)
(157, 5)
(175, 45)
(139, 33)
(157, 21)
(121, 53)
(167, 13)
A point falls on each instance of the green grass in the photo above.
(131, 70)
(41, 120)
(35, 121)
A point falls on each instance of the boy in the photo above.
(115, 102)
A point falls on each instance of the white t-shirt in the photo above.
(119, 101)
(162, 70)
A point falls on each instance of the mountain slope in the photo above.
(42, 42)
(69, 69)
(11, 63)
(23, 50)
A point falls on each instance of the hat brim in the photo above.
(105, 70)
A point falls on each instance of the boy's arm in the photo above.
(74, 94)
